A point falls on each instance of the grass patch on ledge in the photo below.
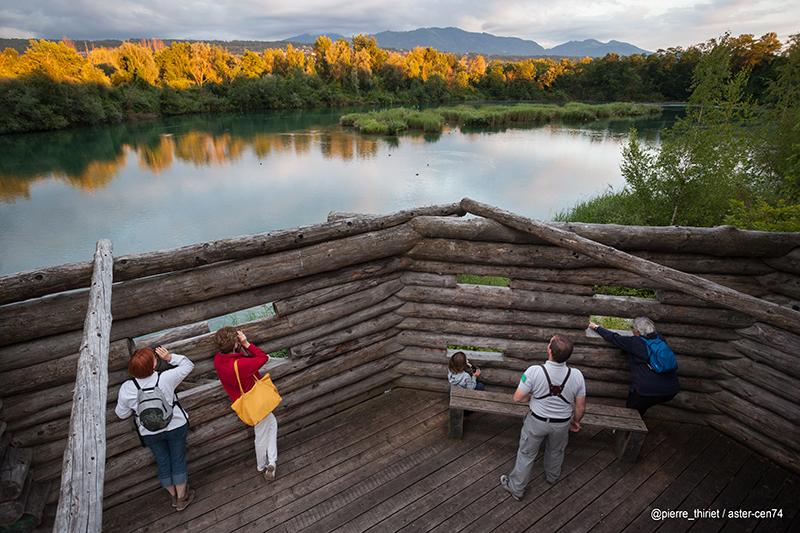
(494, 281)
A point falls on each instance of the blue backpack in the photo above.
(662, 358)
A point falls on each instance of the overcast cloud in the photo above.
(647, 24)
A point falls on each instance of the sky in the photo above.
(648, 24)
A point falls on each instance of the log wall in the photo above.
(366, 303)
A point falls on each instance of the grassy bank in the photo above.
(393, 121)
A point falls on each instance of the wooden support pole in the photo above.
(80, 505)
(770, 313)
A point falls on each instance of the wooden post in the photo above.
(80, 505)
(768, 312)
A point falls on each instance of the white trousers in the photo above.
(266, 441)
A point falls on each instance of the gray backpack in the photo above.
(153, 409)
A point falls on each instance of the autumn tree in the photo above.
(134, 62)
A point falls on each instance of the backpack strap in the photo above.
(555, 390)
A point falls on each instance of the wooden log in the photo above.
(583, 276)
(61, 371)
(56, 346)
(421, 383)
(80, 502)
(755, 440)
(365, 342)
(324, 295)
(334, 336)
(560, 288)
(14, 471)
(781, 283)
(426, 278)
(12, 510)
(501, 298)
(173, 335)
(693, 401)
(483, 253)
(777, 359)
(724, 241)
(343, 379)
(765, 399)
(55, 314)
(35, 503)
(762, 420)
(399, 217)
(344, 363)
(788, 263)
(772, 336)
(765, 377)
(489, 317)
(767, 312)
(578, 276)
(39, 282)
(700, 263)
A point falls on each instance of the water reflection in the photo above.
(165, 183)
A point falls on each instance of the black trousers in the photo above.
(643, 403)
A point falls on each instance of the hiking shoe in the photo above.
(269, 473)
(174, 499)
(184, 502)
(504, 484)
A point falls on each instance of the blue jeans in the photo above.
(169, 449)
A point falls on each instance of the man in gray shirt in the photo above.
(551, 389)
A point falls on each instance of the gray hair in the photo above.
(643, 325)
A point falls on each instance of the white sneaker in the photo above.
(269, 473)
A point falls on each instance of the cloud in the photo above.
(643, 23)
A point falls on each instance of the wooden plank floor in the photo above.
(387, 465)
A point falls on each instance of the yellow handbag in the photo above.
(254, 405)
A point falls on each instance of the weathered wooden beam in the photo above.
(765, 376)
(787, 263)
(49, 374)
(767, 312)
(763, 398)
(56, 314)
(43, 281)
(80, 506)
(580, 276)
(724, 241)
(620, 306)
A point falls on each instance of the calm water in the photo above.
(165, 183)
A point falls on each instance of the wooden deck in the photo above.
(387, 465)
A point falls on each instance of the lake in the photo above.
(170, 182)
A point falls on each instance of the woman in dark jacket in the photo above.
(648, 387)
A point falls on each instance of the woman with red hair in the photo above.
(168, 444)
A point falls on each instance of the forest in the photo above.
(735, 159)
(53, 85)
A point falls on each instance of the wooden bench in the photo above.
(629, 429)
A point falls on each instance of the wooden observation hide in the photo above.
(366, 303)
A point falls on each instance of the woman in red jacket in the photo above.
(233, 346)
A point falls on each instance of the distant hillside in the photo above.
(307, 38)
(458, 41)
(594, 48)
(463, 42)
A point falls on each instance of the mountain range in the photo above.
(463, 42)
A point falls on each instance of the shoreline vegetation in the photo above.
(394, 121)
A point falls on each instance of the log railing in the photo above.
(80, 504)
